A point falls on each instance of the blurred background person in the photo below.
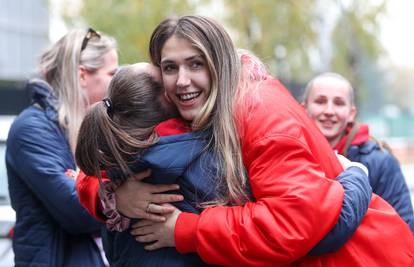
(52, 228)
(329, 100)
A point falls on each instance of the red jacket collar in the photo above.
(361, 136)
(172, 127)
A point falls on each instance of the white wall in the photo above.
(24, 32)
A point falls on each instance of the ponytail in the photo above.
(111, 134)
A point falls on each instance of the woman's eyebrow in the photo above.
(193, 57)
(197, 56)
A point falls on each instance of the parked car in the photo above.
(7, 214)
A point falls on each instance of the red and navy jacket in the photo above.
(291, 171)
(385, 175)
(180, 157)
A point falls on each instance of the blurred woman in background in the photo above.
(52, 228)
(329, 101)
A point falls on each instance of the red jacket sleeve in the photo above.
(295, 207)
(290, 169)
(87, 188)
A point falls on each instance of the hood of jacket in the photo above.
(356, 134)
(42, 95)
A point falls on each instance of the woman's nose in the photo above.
(183, 79)
(329, 108)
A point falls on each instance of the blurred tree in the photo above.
(402, 93)
(356, 49)
(131, 22)
(287, 35)
(279, 32)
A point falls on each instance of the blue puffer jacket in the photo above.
(52, 228)
(174, 159)
(386, 177)
(182, 159)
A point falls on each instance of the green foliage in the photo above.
(279, 32)
(356, 47)
(285, 34)
(131, 22)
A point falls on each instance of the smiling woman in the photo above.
(331, 109)
(186, 77)
(270, 185)
(329, 101)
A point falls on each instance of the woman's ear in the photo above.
(167, 97)
(352, 116)
(82, 72)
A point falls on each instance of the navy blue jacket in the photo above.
(52, 228)
(174, 159)
(385, 177)
(183, 159)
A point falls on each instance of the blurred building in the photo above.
(24, 32)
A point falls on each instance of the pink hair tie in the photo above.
(115, 220)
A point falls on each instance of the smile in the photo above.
(188, 96)
(328, 123)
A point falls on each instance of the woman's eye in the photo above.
(197, 65)
(339, 102)
(320, 101)
(168, 68)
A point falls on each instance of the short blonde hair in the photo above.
(334, 75)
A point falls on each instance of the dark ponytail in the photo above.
(108, 139)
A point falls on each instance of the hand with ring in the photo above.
(140, 200)
(148, 210)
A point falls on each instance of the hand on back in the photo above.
(137, 199)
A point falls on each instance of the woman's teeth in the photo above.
(189, 96)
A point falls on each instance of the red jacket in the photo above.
(291, 167)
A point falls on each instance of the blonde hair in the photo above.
(217, 113)
(60, 67)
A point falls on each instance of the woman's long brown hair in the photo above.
(217, 114)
